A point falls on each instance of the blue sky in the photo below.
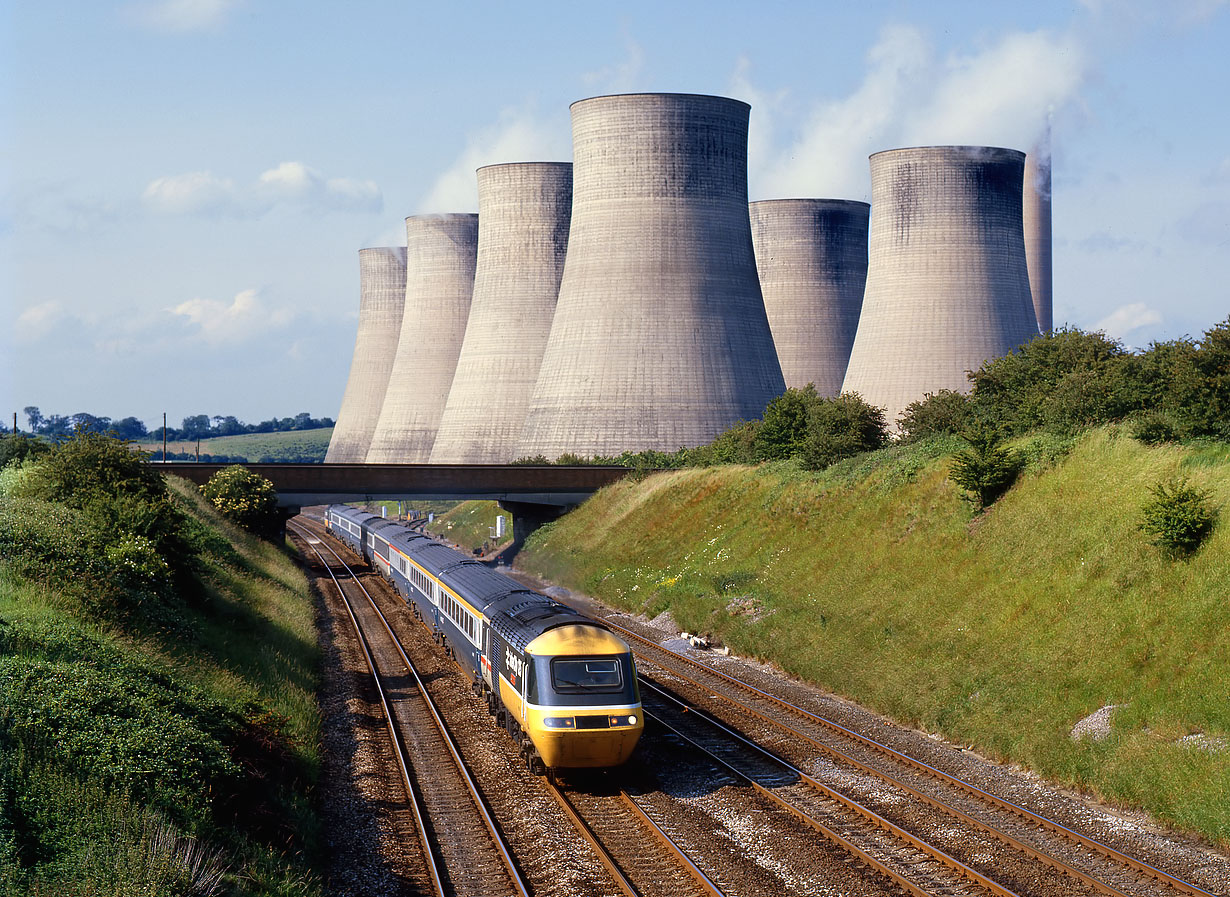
(186, 183)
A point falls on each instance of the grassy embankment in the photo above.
(158, 759)
(304, 446)
(871, 579)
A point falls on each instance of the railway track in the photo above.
(1088, 865)
(463, 848)
(639, 857)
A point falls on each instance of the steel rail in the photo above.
(1009, 840)
(488, 820)
(588, 834)
(669, 843)
(399, 747)
(1051, 825)
(850, 847)
(945, 859)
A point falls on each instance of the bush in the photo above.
(1179, 518)
(1210, 405)
(1061, 381)
(782, 432)
(1155, 428)
(986, 468)
(736, 444)
(945, 413)
(840, 428)
(246, 498)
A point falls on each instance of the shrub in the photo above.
(18, 447)
(842, 427)
(1155, 428)
(782, 432)
(1179, 518)
(736, 444)
(944, 413)
(1062, 381)
(246, 498)
(1210, 404)
(986, 468)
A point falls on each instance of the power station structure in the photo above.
(441, 251)
(811, 255)
(1036, 217)
(660, 337)
(382, 296)
(947, 283)
(523, 215)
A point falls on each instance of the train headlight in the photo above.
(623, 720)
(559, 722)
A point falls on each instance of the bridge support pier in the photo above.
(527, 517)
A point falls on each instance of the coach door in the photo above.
(487, 655)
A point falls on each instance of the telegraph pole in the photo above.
(164, 437)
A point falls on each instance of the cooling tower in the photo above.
(440, 256)
(812, 258)
(660, 338)
(1036, 212)
(382, 294)
(523, 212)
(947, 286)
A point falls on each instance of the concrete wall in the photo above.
(811, 255)
(660, 337)
(523, 214)
(947, 286)
(1036, 214)
(382, 295)
(440, 257)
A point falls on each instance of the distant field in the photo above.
(294, 445)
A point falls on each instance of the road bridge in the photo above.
(532, 494)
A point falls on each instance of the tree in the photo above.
(34, 417)
(987, 468)
(842, 427)
(245, 498)
(783, 430)
(195, 426)
(945, 413)
(130, 428)
(1210, 410)
(1060, 381)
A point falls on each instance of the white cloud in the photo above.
(38, 321)
(195, 193)
(1126, 319)
(518, 136)
(1000, 95)
(184, 15)
(207, 194)
(246, 317)
(621, 77)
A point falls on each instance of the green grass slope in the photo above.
(303, 446)
(160, 760)
(871, 579)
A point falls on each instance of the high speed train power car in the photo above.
(562, 684)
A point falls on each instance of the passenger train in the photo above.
(562, 684)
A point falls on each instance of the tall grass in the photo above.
(1003, 630)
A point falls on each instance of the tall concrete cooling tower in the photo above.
(523, 212)
(1036, 212)
(812, 259)
(660, 338)
(440, 256)
(382, 295)
(947, 286)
